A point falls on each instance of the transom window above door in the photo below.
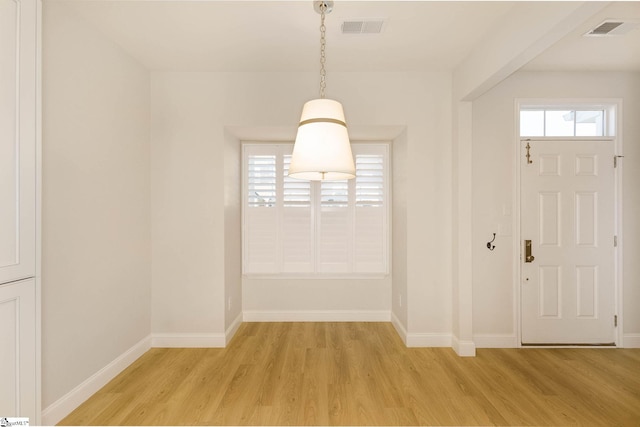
(557, 122)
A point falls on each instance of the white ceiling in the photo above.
(576, 52)
(284, 35)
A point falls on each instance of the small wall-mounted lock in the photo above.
(527, 251)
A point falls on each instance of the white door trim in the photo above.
(613, 106)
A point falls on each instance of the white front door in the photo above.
(567, 212)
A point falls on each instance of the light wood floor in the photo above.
(362, 374)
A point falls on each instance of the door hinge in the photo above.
(615, 241)
(615, 320)
(615, 161)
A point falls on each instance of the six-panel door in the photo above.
(567, 211)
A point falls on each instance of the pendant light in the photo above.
(322, 151)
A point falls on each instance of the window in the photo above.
(562, 122)
(296, 227)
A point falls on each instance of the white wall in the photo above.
(187, 204)
(232, 231)
(190, 112)
(493, 185)
(429, 203)
(95, 213)
(400, 197)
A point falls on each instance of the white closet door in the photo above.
(17, 358)
(19, 330)
(17, 139)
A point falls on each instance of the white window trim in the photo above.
(567, 138)
(316, 194)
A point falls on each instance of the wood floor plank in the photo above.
(362, 374)
(315, 388)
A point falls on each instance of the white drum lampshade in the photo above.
(322, 151)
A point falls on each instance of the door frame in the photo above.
(613, 108)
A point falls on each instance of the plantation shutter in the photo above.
(334, 227)
(293, 226)
(261, 213)
(370, 218)
(297, 225)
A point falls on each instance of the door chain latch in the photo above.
(528, 156)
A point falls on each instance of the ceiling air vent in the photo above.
(363, 26)
(613, 28)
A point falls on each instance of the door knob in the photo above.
(527, 251)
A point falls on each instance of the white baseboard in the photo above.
(439, 339)
(631, 340)
(232, 329)
(400, 329)
(463, 348)
(317, 316)
(188, 340)
(495, 341)
(428, 340)
(70, 401)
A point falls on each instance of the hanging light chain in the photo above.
(323, 55)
